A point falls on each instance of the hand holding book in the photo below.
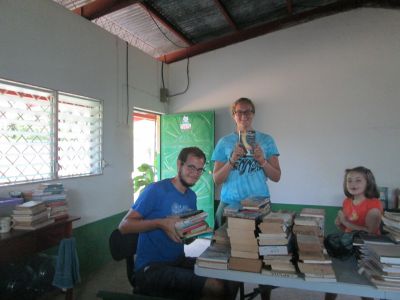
(168, 225)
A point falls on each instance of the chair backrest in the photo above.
(123, 246)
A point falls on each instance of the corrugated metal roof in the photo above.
(171, 30)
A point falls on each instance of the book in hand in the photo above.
(247, 139)
(191, 220)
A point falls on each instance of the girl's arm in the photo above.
(372, 221)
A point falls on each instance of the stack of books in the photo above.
(253, 208)
(193, 225)
(216, 256)
(381, 264)
(313, 260)
(317, 214)
(244, 246)
(55, 198)
(391, 224)
(31, 215)
(220, 235)
(274, 240)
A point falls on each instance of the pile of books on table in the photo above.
(391, 224)
(250, 208)
(216, 256)
(381, 264)
(31, 215)
(242, 219)
(275, 244)
(313, 260)
(220, 235)
(55, 198)
(193, 224)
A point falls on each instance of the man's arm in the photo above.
(133, 222)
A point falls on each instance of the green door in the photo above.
(185, 130)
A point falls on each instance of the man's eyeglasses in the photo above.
(246, 113)
(193, 169)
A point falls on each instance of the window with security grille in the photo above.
(79, 136)
(46, 136)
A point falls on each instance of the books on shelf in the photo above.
(33, 226)
(31, 217)
(29, 207)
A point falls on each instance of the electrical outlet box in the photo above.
(163, 94)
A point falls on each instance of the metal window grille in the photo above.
(36, 147)
(79, 136)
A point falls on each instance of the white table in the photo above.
(348, 281)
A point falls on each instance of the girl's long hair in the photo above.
(371, 190)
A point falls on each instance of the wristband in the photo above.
(264, 163)
(231, 162)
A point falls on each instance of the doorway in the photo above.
(146, 149)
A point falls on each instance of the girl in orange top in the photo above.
(362, 209)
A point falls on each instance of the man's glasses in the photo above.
(246, 113)
(193, 169)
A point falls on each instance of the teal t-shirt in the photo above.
(247, 178)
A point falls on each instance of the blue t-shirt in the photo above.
(159, 200)
(247, 178)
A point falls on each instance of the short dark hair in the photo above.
(371, 191)
(244, 101)
(195, 151)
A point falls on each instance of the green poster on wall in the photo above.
(185, 130)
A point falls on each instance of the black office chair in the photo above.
(123, 246)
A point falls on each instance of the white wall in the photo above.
(44, 44)
(327, 91)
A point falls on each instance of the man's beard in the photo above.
(183, 181)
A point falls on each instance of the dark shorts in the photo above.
(171, 280)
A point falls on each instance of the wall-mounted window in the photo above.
(47, 135)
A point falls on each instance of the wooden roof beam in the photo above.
(289, 6)
(100, 8)
(245, 34)
(166, 23)
(226, 14)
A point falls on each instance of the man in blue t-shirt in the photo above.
(161, 267)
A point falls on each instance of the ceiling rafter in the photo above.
(166, 23)
(100, 8)
(289, 5)
(245, 34)
(226, 14)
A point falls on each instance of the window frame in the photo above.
(52, 134)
